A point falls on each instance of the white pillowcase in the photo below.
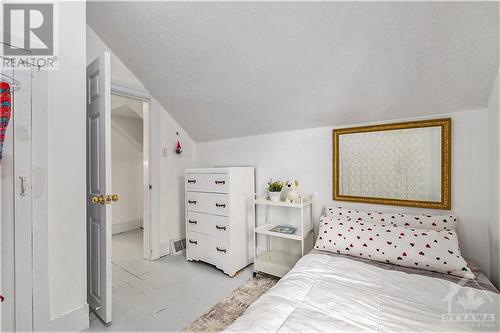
(422, 221)
(433, 250)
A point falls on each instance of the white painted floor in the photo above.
(161, 295)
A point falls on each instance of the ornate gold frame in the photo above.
(445, 125)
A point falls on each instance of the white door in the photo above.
(16, 209)
(98, 186)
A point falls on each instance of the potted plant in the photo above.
(274, 189)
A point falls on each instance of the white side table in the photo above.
(275, 262)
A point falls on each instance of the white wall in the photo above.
(167, 194)
(120, 74)
(126, 171)
(172, 209)
(168, 172)
(494, 140)
(131, 127)
(306, 155)
(67, 169)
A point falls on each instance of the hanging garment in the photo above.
(5, 112)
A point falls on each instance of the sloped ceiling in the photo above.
(126, 107)
(227, 69)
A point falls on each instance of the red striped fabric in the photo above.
(5, 111)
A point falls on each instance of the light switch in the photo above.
(164, 152)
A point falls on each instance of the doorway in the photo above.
(127, 163)
(118, 188)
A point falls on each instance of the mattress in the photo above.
(332, 293)
(481, 281)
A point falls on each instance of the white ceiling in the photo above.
(227, 69)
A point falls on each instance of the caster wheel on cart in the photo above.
(254, 274)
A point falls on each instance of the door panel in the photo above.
(99, 184)
(23, 206)
(94, 153)
(95, 271)
(16, 211)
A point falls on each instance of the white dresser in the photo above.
(219, 225)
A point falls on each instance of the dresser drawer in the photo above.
(221, 254)
(221, 243)
(217, 183)
(211, 203)
(194, 181)
(221, 232)
(207, 224)
(212, 182)
(199, 222)
(198, 246)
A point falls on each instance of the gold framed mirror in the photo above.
(400, 164)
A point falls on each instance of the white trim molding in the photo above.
(149, 224)
(126, 226)
(128, 92)
(164, 249)
(73, 321)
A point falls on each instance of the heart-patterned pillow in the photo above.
(422, 221)
(433, 250)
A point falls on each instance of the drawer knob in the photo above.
(220, 182)
(220, 205)
(221, 250)
(220, 228)
(192, 181)
(193, 242)
(193, 222)
(192, 202)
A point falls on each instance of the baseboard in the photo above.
(73, 321)
(164, 249)
(126, 226)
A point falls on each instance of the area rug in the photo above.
(224, 313)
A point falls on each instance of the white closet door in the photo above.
(99, 282)
(16, 225)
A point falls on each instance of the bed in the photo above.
(328, 292)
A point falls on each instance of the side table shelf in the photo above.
(279, 262)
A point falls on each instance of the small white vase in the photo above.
(274, 196)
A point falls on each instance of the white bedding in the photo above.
(326, 294)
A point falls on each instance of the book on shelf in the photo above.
(284, 229)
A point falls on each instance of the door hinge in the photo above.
(150, 186)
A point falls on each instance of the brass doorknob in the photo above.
(98, 199)
(105, 199)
